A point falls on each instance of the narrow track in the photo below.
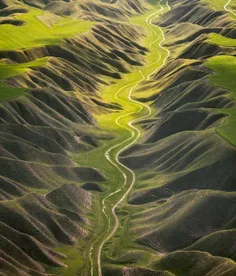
(135, 135)
(228, 10)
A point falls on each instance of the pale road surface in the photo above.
(134, 131)
(228, 10)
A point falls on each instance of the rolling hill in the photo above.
(117, 123)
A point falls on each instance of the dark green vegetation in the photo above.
(52, 67)
(61, 65)
(182, 207)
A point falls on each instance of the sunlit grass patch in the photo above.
(73, 261)
(7, 93)
(35, 33)
(225, 69)
(14, 69)
(218, 4)
(224, 76)
(221, 40)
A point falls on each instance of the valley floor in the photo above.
(123, 123)
(118, 135)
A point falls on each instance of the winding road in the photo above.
(228, 10)
(128, 175)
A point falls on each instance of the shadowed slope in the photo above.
(219, 243)
(50, 83)
(133, 272)
(184, 195)
(32, 224)
(180, 221)
(187, 263)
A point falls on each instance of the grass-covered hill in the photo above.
(69, 71)
(178, 210)
(55, 58)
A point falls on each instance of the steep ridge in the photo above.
(178, 262)
(186, 159)
(189, 223)
(85, 187)
(31, 224)
(50, 85)
(93, 9)
(124, 177)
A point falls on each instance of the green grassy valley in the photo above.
(118, 135)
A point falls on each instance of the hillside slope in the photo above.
(52, 69)
(85, 184)
(185, 162)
